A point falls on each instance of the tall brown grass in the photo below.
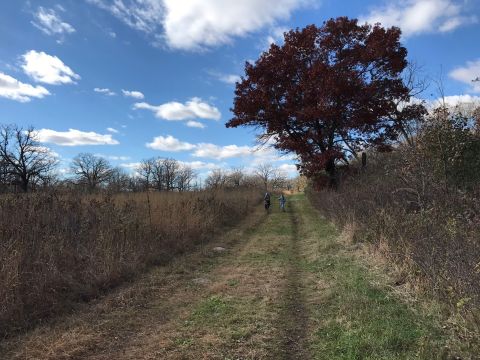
(56, 249)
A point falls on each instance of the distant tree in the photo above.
(91, 171)
(163, 174)
(270, 176)
(185, 176)
(171, 168)
(235, 177)
(119, 180)
(146, 172)
(326, 93)
(264, 172)
(216, 179)
(22, 159)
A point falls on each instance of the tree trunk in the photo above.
(331, 170)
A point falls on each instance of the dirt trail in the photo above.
(283, 289)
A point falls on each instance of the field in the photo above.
(57, 249)
(288, 285)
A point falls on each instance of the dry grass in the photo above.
(56, 249)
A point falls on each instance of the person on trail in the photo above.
(282, 200)
(266, 199)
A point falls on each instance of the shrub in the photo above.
(423, 201)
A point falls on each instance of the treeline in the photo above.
(26, 165)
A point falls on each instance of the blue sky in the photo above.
(132, 79)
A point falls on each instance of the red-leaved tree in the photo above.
(326, 93)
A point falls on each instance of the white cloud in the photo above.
(112, 130)
(114, 157)
(422, 16)
(275, 36)
(169, 143)
(195, 124)
(131, 166)
(197, 24)
(50, 23)
(74, 137)
(230, 79)
(47, 69)
(105, 91)
(194, 108)
(458, 100)
(213, 151)
(199, 165)
(290, 169)
(133, 94)
(13, 89)
(194, 24)
(467, 74)
(142, 15)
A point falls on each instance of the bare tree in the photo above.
(146, 172)
(185, 176)
(24, 160)
(216, 179)
(278, 180)
(270, 177)
(235, 177)
(90, 170)
(160, 173)
(264, 172)
(119, 180)
(171, 167)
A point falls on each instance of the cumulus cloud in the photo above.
(74, 137)
(468, 74)
(133, 94)
(458, 100)
(289, 169)
(194, 108)
(195, 124)
(112, 130)
(197, 24)
(213, 151)
(169, 143)
(47, 69)
(255, 155)
(50, 23)
(422, 16)
(131, 166)
(105, 91)
(13, 89)
(199, 165)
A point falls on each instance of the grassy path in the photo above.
(285, 288)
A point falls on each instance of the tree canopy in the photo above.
(326, 93)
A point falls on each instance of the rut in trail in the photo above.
(294, 316)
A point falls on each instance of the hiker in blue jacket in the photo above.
(282, 200)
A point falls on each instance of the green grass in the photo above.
(359, 318)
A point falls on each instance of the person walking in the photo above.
(266, 200)
(282, 200)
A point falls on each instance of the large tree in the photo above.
(23, 160)
(326, 93)
(91, 171)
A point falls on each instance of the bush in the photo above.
(423, 201)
